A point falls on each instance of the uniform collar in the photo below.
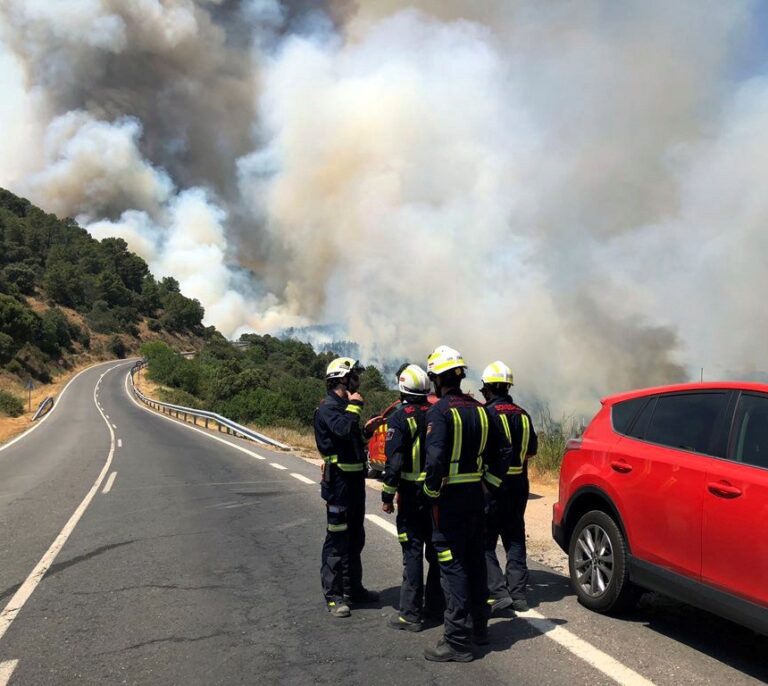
(499, 399)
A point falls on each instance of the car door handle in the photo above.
(621, 467)
(722, 489)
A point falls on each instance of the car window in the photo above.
(686, 421)
(641, 423)
(624, 412)
(751, 431)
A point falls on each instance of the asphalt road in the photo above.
(200, 565)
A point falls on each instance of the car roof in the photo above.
(706, 386)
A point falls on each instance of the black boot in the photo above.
(520, 605)
(480, 634)
(445, 652)
(402, 624)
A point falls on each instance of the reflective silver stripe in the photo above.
(415, 474)
(468, 478)
(350, 466)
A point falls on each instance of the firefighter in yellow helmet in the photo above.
(340, 442)
(463, 448)
(506, 511)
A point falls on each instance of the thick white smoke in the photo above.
(571, 187)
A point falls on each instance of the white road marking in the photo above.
(119, 442)
(595, 657)
(107, 416)
(213, 437)
(53, 409)
(110, 481)
(6, 669)
(114, 426)
(277, 465)
(26, 589)
(389, 527)
(302, 478)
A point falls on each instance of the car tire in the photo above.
(598, 562)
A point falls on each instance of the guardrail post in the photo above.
(206, 422)
(185, 416)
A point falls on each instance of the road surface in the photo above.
(185, 557)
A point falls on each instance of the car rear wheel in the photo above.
(598, 563)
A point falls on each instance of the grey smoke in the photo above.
(569, 187)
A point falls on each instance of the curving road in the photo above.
(199, 565)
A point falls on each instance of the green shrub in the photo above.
(11, 405)
(117, 347)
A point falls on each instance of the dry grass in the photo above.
(13, 426)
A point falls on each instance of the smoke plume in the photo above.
(574, 188)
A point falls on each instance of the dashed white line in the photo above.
(6, 669)
(595, 657)
(302, 478)
(119, 442)
(26, 589)
(276, 465)
(114, 426)
(110, 481)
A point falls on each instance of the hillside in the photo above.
(67, 299)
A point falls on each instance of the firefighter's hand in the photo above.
(355, 396)
(322, 471)
(389, 508)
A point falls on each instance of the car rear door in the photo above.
(735, 521)
(659, 471)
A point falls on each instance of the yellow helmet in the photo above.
(497, 372)
(443, 359)
(342, 366)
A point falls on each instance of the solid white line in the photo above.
(302, 478)
(277, 466)
(389, 527)
(241, 448)
(26, 589)
(6, 669)
(119, 442)
(601, 661)
(54, 408)
(110, 481)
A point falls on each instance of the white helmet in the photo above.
(443, 359)
(497, 372)
(342, 366)
(413, 380)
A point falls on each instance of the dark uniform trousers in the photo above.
(458, 536)
(506, 519)
(341, 570)
(414, 531)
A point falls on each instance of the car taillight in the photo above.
(573, 444)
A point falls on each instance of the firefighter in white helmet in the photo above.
(463, 448)
(506, 510)
(404, 476)
(340, 442)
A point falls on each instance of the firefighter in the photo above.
(404, 476)
(506, 515)
(339, 441)
(463, 448)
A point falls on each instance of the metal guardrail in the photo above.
(222, 422)
(43, 408)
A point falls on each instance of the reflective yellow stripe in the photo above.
(505, 425)
(331, 459)
(491, 479)
(445, 556)
(415, 474)
(515, 470)
(335, 528)
(457, 431)
(350, 467)
(526, 437)
(412, 476)
(355, 409)
(483, 429)
(403, 537)
(469, 478)
(449, 364)
(430, 492)
(391, 490)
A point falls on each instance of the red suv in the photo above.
(667, 490)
